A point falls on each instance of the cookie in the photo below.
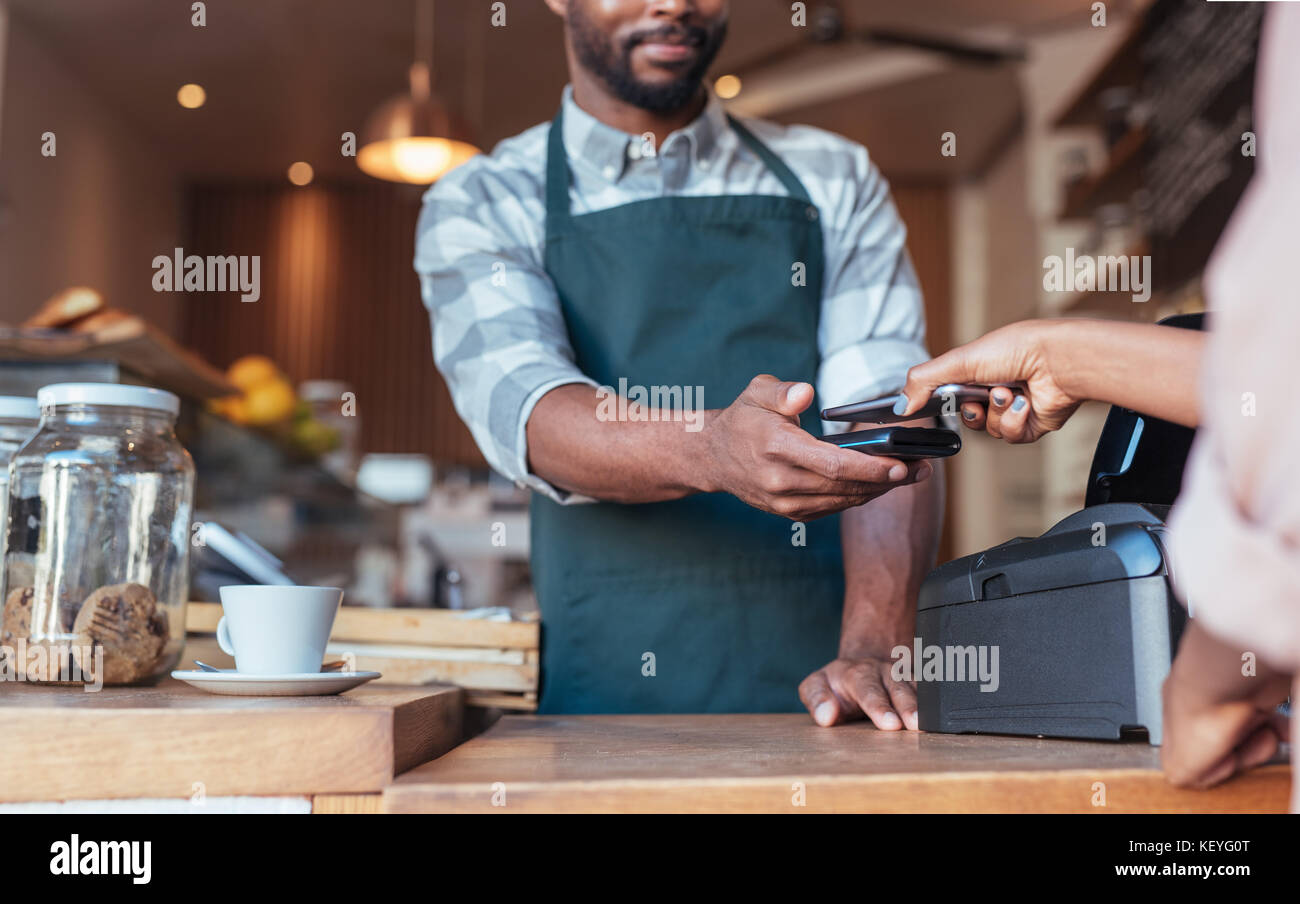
(51, 662)
(125, 620)
(17, 616)
(42, 660)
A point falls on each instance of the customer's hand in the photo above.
(757, 451)
(1218, 722)
(1016, 354)
(848, 689)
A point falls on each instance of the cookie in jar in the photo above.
(98, 538)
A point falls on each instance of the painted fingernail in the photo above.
(824, 714)
(1019, 404)
(969, 415)
(1000, 398)
(888, 721)
(898, 472)
(901, 405)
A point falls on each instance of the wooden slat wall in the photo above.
(924, 208)
(339, 300)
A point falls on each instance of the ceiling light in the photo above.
(300, 173)
(191, 96)
(413, 137)
(727, 86)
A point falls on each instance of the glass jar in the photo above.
(97, 547)
(333, 430)
(18, 419)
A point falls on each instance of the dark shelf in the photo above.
(1114, 303)
(1122, 67)
(1117, 181)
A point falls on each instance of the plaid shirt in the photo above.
(499, 337)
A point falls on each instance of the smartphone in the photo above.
(906, 443)
(947, 399)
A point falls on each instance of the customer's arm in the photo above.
(1219, 717)
(1235, 530)
(1058, 364)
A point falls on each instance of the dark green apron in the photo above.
(701, 604)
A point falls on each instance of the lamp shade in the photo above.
(413, 139)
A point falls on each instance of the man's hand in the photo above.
(848, 689)
(1218, 722)
(757, 451)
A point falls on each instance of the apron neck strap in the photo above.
(773, 162)
(557, 167)
(557, 172)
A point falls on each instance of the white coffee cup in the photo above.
(277, 629)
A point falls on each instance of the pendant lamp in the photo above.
(413, 137)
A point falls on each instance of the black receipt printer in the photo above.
(1069, 634)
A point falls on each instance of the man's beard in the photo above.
(613, 64)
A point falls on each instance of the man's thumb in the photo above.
(789, 399)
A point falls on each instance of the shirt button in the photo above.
(609, 173)
(812, 212)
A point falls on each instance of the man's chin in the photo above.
(657, 89)
(649, 59)
(666, 83)
(667, 97)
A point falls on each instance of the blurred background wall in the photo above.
(346, 303)
(136, 175)
(98, 212)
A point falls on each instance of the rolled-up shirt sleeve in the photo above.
(872, 326)
(499, 338)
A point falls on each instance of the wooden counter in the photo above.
(172, 741)
(768, 763)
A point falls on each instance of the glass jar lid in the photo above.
(113, 394)
(19, 408)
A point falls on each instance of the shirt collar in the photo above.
(606, 148)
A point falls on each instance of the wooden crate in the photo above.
(497, 663)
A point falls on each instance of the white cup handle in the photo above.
(223, 638)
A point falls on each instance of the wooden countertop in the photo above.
(763, 763)
(173, 741)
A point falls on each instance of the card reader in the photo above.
(1069, 634)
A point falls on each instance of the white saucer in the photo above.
(303, 684)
